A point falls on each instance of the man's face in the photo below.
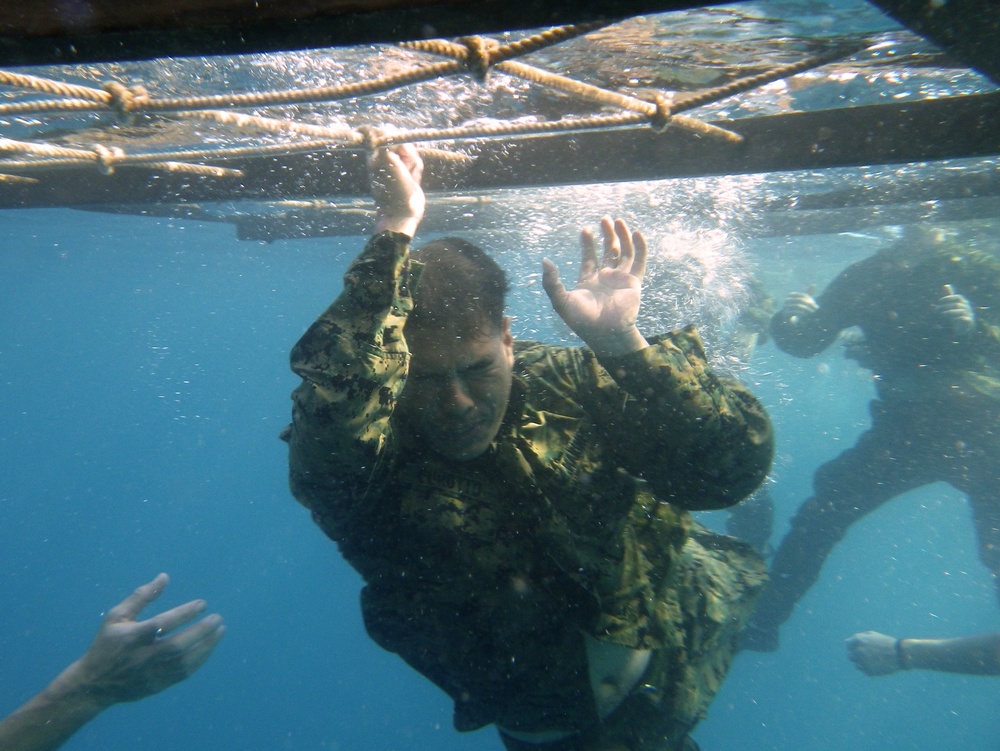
(457, 389)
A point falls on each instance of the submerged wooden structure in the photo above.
(653, 140)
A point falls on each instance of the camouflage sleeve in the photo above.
(353, 362)
(701, 441)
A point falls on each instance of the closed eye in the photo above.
(479, 369)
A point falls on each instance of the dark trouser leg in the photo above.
(886, 461)
(981, 482)
(972, 451)
(986, 516)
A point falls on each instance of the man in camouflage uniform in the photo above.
(519, 511)
(929, 316)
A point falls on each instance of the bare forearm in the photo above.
(973, 655)
(49, 719)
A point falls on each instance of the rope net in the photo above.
(141, 108)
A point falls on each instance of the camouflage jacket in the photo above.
(892, 297)
(484, 574)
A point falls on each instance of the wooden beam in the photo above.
(896, 133)
(876, 134)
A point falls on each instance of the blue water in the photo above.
(143, 384)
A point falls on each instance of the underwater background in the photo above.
(143, 384)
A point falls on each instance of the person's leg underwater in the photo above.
(883, 464)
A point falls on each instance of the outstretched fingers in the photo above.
(195, 658)
(194, 644)
(172, 657)
(613, 247)
(624, 239)
(641, 254)
(558, 296)
(625, 250)
(588, 252)
(165, 622)
(129, 608)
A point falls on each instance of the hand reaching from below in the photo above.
(603, 307)
(128, 660)
(131, 659)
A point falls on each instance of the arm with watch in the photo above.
(877, 654)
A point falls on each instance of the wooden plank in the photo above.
(877, 134)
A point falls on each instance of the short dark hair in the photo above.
(460, 286)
